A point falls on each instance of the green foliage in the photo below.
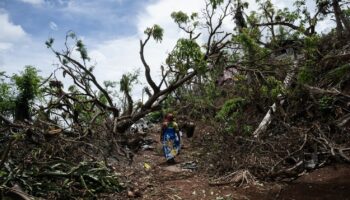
(339, 74)
(230, 108)
(272, 88)
(253, 18)
(242, 87)
(247, 129)
(27, 84)
(49, 42)
(155, 117)
(82, 50)
(110, 88)
(230, 113)
(127, 81)
(194, 16)
(216, 3)
(186, 22)
(311, 44)
(62, 179)
(71, 34)
(248, 39)
(156, 32)
(186, 54)
(180, 17)
(347, 12)
(325, 103)
(7, 104)
(305, 74)
(307, 71)
(204, 99)
(109, 84)
(267, 7)
(286, 15)
(169, 105)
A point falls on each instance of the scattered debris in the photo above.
(240, 177)
(141, 126)
(191, 165)
(176, 168)
(147, 166)
(147, 147)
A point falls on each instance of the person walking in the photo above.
(170, 138)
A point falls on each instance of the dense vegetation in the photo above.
(275, 91)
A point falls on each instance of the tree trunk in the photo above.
(337, 14)
(345, 20)
(22, 109)
(268, 117)
(130, 104)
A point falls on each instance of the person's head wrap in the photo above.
(169, 117)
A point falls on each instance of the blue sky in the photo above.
(101, 19)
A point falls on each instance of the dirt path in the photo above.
(332, 182)
(153, 179)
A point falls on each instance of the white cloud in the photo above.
(33, 2)
(88, 8)
(115, 57)
(326, 25)
(9, 32)
(118, 56)
(159, 13)
(53, 26)
(5, 45)
(17, 49)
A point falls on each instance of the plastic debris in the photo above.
(191, 165)
(147, 166)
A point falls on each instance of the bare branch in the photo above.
(146, 66)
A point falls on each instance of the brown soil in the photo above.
(149, 177)
(332, 182)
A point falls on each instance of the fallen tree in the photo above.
(286, 84)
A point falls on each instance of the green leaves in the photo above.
(156, 32)
(325, 103)
(62, 179)
(231, 112)
(28, 82)
(339, 74)
(82, 50)
(216, 3)
(127, 81)
(6, 97)
(310, 49)
(180, 17)
(186, 22)
(230, 106)
(248, 39)
(49, 42)
(272, 88)
(186, 54)
(18, 95)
